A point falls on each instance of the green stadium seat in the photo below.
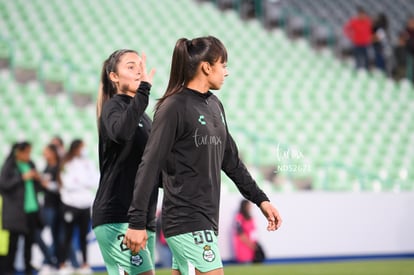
(278, 91)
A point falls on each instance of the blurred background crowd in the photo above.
(57, 197)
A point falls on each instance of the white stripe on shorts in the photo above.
(191, 268)
(121, 270)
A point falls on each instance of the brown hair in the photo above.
(107, 88)
(71, 153)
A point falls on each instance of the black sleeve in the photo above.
(152, 207)
(238, 173)
(161, 140)
(152, 210)
(119, 123)
(10, 177)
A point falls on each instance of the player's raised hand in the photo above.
(272, 215)
(146, 76)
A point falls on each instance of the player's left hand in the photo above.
(273, 218)
(135, 239)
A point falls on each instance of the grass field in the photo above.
(380, 267)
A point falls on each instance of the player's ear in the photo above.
(205, 68)
(113, 77)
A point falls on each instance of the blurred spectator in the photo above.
(19, 183)
(79, 181)
(399, 70)
(58, 142)
(359, 30)
(50, 209)
(409, 37)
(381, 43)
(245, 236)
(164, 252)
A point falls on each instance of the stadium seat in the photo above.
(278, 92)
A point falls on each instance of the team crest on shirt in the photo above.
(201, 119)
(208, 254)
(136, 259)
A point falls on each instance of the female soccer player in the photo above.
(123, 132)
(191, 144)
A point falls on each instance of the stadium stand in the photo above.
(321, 18)
(301, 113)
(29, 113)
(336, 13)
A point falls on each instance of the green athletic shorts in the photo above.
(117, 256)
(195, 250)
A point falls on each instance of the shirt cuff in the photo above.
(144, 88)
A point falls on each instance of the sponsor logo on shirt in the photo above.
(200, 140)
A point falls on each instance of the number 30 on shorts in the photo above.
(203, 236)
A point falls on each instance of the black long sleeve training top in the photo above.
(191, 144)
(123, 133)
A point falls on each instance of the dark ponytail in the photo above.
(179, 62)
(187, 56)
(107, 88)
